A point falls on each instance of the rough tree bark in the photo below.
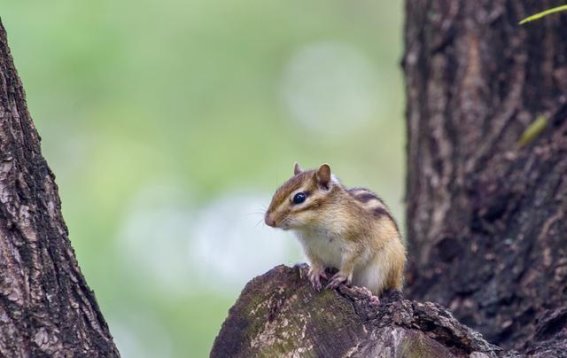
(46, 307)
(486, 205)
(279, 314)
(486, 210)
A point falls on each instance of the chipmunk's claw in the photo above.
(338, 279)
(315, 275)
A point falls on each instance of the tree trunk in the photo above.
(46, 307)
(487, 164)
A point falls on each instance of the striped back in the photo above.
(372, 202)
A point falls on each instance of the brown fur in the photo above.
(349, 229)
(294, 183)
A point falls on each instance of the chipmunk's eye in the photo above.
(299, 198)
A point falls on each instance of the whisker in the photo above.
(262, 211)
(255, 213)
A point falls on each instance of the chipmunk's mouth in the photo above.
(285, 224)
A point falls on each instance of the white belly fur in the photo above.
(328, 249)
(372, 270)
(373, 275)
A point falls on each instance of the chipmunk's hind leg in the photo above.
(373, 277)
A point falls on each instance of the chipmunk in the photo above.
(351, 230)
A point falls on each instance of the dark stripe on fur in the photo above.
(381, 212)
(365, 197)
(314, 204)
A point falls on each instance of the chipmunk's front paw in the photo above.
(338, 279)
(315, 274)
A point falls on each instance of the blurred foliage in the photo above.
(188, 94)
(533, 130)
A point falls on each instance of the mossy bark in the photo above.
(279, 314)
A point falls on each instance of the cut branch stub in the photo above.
(280, 314)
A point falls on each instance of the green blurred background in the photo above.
(170, 123)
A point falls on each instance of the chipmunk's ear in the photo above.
(297, 169)
(324, 175)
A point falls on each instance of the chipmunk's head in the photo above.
(297, 203)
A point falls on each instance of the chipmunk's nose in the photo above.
(270, 221)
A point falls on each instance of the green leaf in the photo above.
(533, 130)
(539, 15)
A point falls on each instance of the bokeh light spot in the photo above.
(330, 88)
